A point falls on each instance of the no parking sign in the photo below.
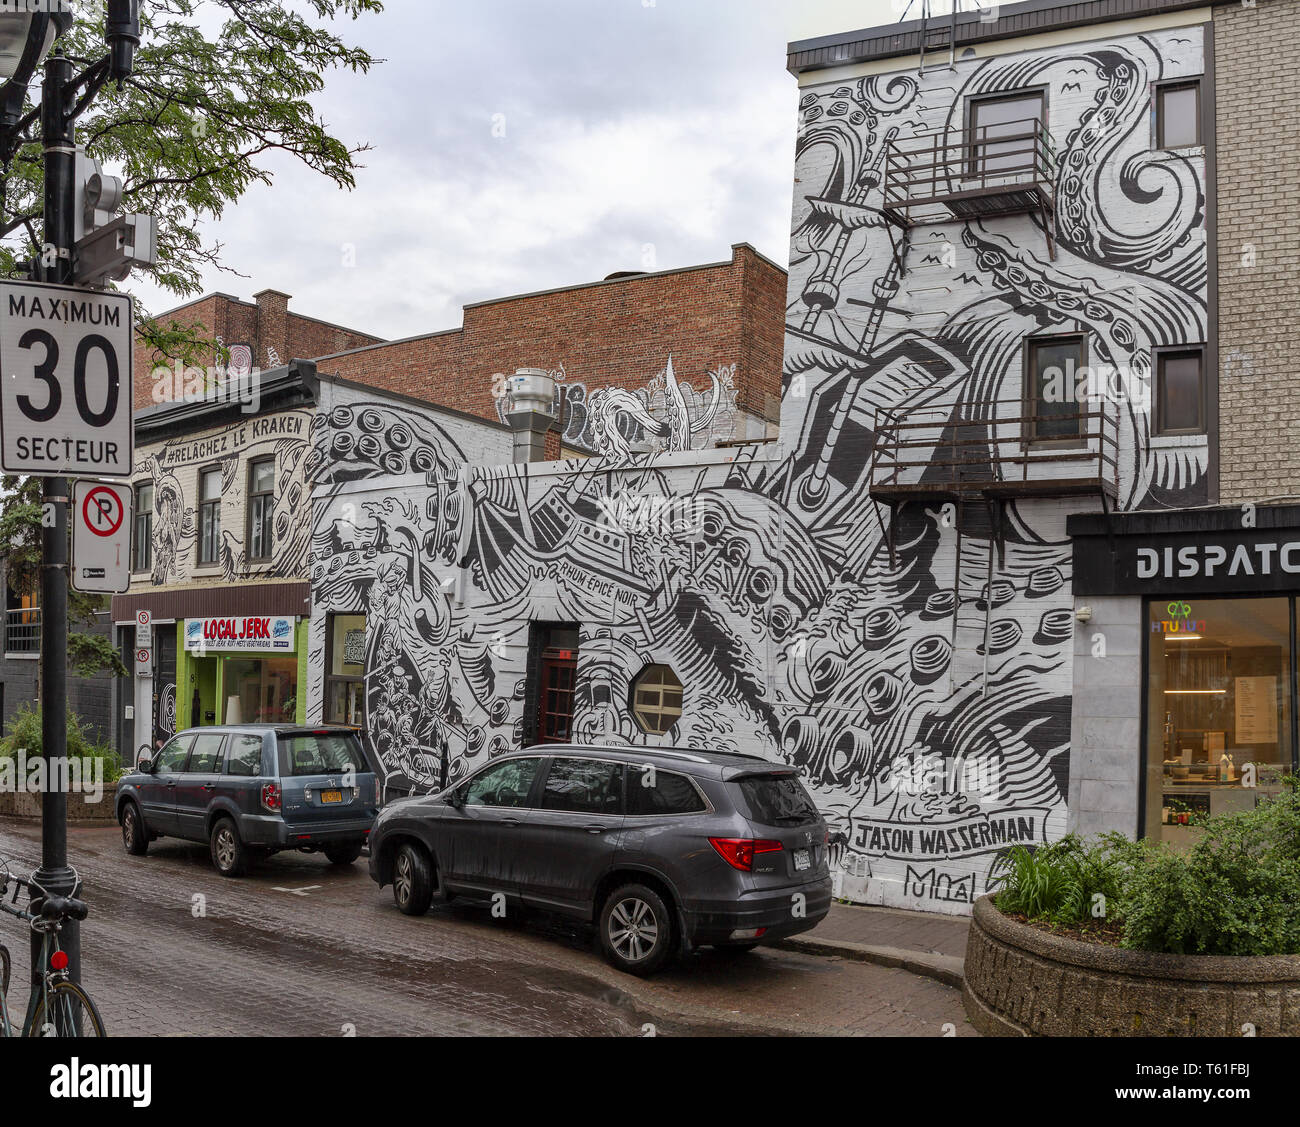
(101, 537)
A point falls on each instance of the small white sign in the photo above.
(101, 537)
(66, 392)
(143, 662)
(143, 628)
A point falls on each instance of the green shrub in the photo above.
(24, 731)
(1060, 882)
(1235, 892)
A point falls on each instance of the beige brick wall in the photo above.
(1257, 59)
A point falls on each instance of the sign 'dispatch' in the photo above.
(66, 393)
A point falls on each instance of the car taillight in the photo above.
(739, 852)
(271, 797)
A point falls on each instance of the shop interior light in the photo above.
(1183, 637)
(1194, 692)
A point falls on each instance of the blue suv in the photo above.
(253, 789)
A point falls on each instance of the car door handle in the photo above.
(208, 786)
(171, 782)
(509, 822)
(595, 829)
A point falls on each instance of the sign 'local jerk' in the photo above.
(275, 633)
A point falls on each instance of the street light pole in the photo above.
(55, 875)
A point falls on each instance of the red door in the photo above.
(555, 700)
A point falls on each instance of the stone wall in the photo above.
(1021, 981)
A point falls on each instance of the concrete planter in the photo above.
(1024, 982)
(80, 812)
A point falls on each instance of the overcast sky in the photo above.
(528, 144)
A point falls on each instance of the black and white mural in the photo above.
(914, 660)
(640, 419)
(174, 469)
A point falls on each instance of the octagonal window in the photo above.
(656, 699)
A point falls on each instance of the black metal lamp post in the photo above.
(25, 39)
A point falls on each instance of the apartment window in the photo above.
(1053, 408)
(1178, 115)
(656, 699)
(209, 515)
(142, 558)
(1180, 392)
(1015, 117)
(345, 685)
(261, 508)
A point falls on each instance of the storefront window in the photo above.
(1220, 700)
(261, 690)
(345, 678)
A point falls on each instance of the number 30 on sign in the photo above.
(66, 393)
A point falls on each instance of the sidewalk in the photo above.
(921, 942)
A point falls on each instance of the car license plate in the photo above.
(331, 796)
(802, 860)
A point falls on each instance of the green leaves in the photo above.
(1061, 881)
(219, 86)
(1236, 891)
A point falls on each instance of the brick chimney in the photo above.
(272, 345)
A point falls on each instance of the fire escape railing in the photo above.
(996, 448)
(1007, 168)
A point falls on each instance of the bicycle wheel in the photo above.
(66, 1011)
(4, 971)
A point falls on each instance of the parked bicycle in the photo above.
(59, 1007)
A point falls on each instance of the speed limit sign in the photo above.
(66, 392)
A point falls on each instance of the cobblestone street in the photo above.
(300, 947)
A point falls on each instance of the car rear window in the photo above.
(777, 800)
(661, 792)
(327, 754)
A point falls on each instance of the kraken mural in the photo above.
(912, 654)
(173, 468)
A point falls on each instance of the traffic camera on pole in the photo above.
(107, 246)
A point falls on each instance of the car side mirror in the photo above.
(454, 798)
(144, 764)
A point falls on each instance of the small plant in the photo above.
(1062, 882)
(24, 732)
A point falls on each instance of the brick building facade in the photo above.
(718, 320)
(270, 333)
(604, 334)
(1257, 68)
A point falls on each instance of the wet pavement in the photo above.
(300, 947)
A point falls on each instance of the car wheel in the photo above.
(412, 881)
(343, 853)
(636, 930)
(228, 852)
(135, 837)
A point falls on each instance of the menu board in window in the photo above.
(1256, 699)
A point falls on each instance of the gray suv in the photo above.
(663, 849)
(253, 789)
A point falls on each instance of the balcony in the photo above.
(1003, 169)
(989, 451)
(23, 632)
